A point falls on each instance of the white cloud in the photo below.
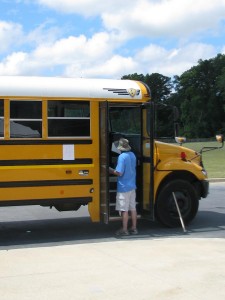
(64, 53)
(72, 49)
(114, 67)
(10, 34)
(167, 18)
(14, 64)
(75, 59)
(155, 59)
(42, 33)
(86, 7)
(100, 55)
(151, 18)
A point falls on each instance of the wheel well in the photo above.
(183, 175)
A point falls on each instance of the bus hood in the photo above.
(166, 152)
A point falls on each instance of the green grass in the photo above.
(214, 161)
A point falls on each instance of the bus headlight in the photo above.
(204, 172)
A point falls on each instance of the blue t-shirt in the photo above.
(126, 165)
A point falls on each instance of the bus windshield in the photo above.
(125, 119)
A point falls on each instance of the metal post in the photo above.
(178, 209)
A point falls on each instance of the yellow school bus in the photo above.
(57, 141)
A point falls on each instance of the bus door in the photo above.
(124, 121)
(148, 160)
(104, 162)
(128, 121)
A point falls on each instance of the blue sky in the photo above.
(110, 38)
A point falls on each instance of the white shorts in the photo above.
(126, 201)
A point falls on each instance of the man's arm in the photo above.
(114, 172)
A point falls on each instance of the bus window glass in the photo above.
(25, 119)
(1, 118)
(125, 119)
(164, 122)
(68, 119)
(148, 123)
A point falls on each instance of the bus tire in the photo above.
(166, 211)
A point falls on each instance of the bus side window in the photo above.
(25, 119)
(1, 118)
(68, 118)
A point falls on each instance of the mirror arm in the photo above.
(206, 149)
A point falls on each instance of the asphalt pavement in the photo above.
(135, 267)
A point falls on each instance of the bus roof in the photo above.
(53, 87)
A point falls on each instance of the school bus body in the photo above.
(55, 144)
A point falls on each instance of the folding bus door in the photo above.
(104, 163)
(148, 160)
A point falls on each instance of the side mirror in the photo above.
(220, 138)
(180, 139)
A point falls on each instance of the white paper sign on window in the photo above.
(68, 152)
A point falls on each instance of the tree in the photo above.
(220, 84)
(200, 91)
(199, 94)
(135, 76)
(161, 87)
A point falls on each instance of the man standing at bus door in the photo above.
(126, 187)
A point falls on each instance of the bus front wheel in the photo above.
(186, 196)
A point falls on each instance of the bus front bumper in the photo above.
(204, 188)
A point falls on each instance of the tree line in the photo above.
(199, 95)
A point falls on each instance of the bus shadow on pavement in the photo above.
(211, 223)
(51, 232)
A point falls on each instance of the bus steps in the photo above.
(118, 218)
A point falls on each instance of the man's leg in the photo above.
(125, 219)
(134, 219)
(122, 207)
(132, 208)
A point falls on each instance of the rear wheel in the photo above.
(166, 211)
